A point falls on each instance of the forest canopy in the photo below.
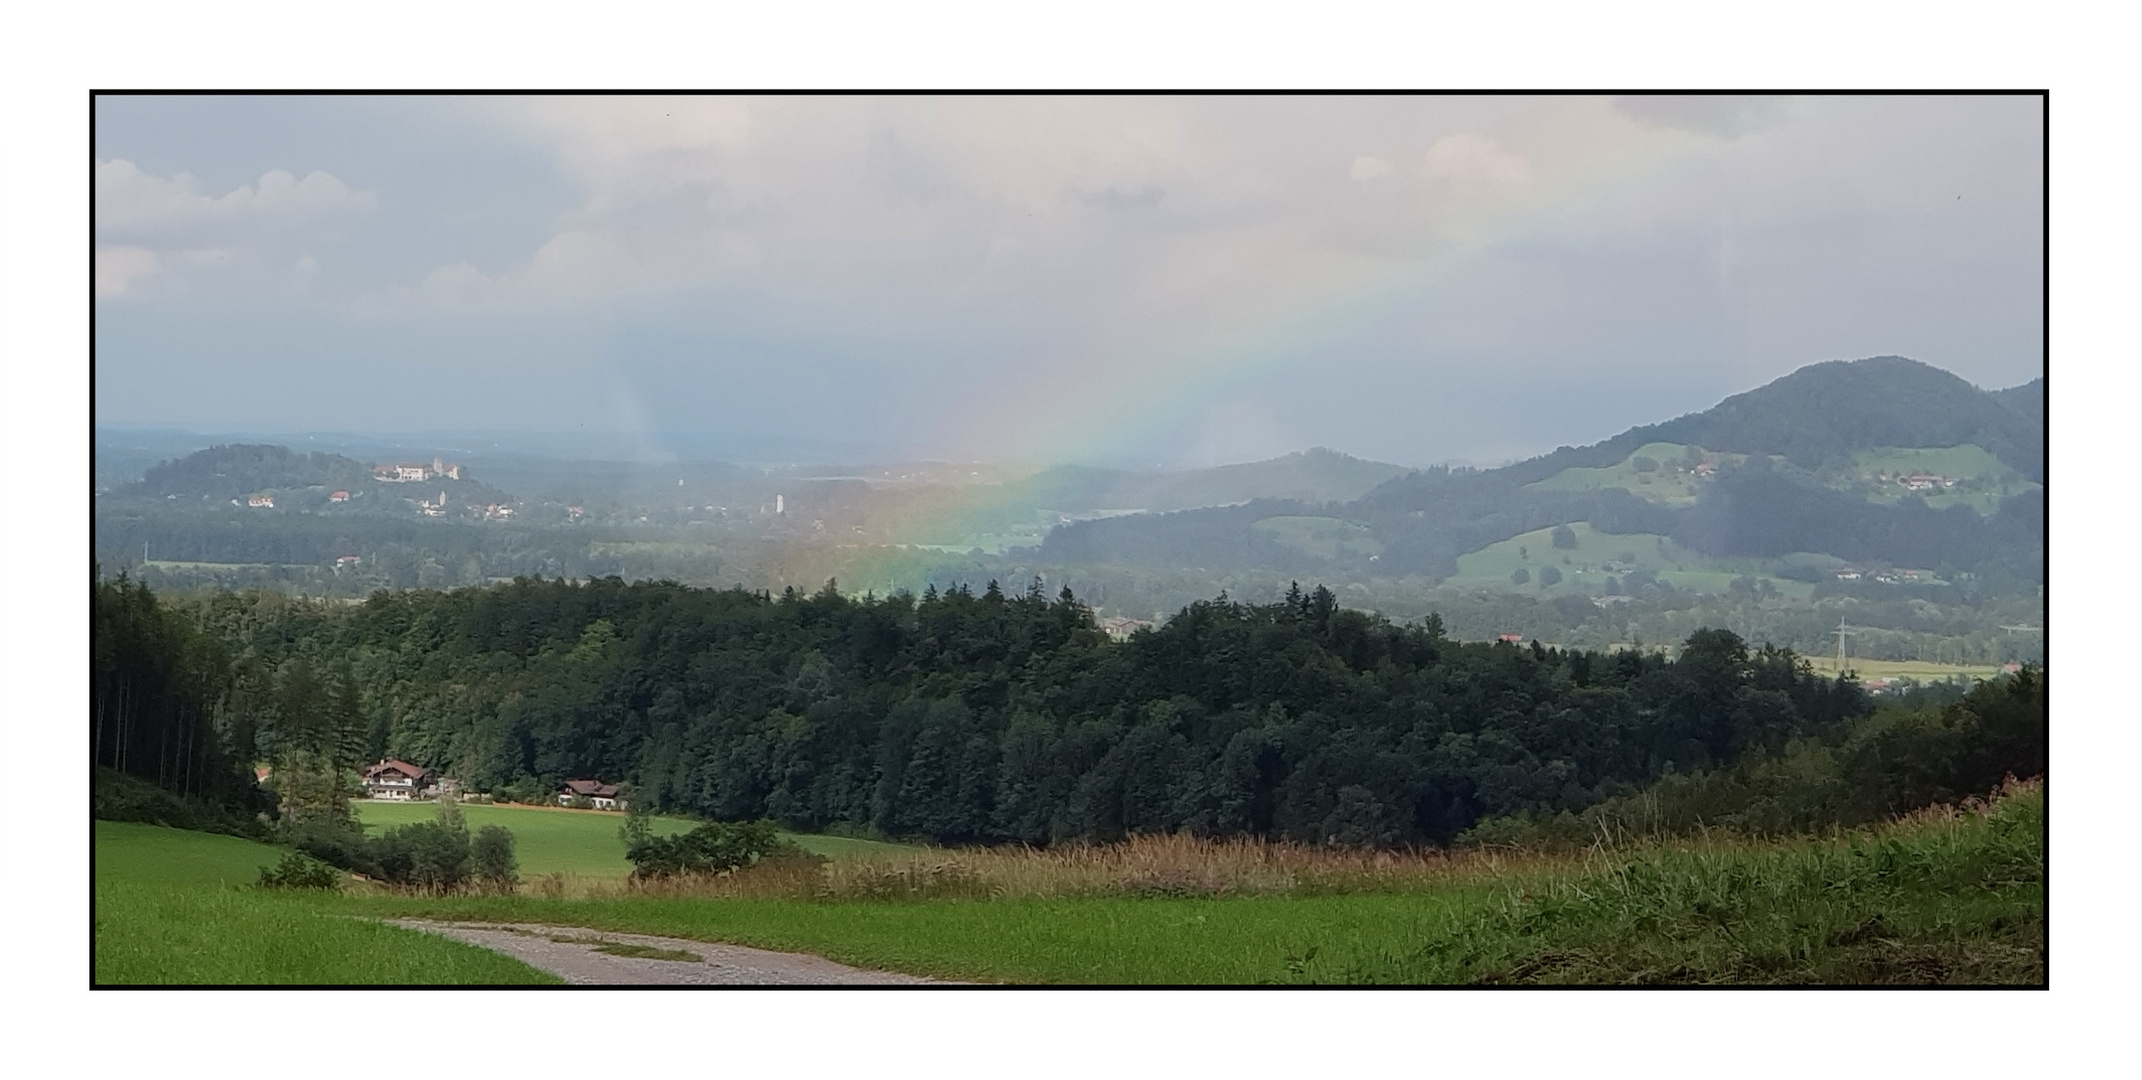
(996, 716)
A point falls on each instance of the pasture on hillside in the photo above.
(1668, 479)
(1983, 481)
(1584, 568)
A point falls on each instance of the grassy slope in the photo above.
(1323, 537)
(584, 842)
(1584, 573)
(1958, 899)
(1967, 462)
(170, 908)
(1668, 484)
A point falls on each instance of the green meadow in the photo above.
(1940, 897)
(1583, 568)
(581, 843)
(1666, 483)
(1984, 480)
(1323, 537)
(177, 907)
(1943, 897)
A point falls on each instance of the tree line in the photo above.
(998, 716)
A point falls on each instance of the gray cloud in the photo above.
(1726, 116)
(1417, 278)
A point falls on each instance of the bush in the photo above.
(300, 871)
(115, 796)
(1564, 537)
(1520, 576)
(713, 848)
(425, 855)
(492, 852)
(337, 843)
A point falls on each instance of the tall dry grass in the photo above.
(1185, 866)
(1160, 865)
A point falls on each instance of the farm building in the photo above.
(394, 780)
(604, 796)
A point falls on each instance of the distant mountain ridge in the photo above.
(1824, 412)
(1816, 419)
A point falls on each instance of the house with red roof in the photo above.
(603, 796)
(391, 779)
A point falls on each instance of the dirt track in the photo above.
(573, 954)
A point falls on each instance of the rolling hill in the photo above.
(1812, 462)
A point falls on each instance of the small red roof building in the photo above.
(392, 779)
(604, 796)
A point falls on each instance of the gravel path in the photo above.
(578, 956)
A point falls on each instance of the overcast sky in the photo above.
(1034, 279)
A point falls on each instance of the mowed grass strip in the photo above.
(557, 840)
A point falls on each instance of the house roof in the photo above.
(591, 788)
(414, 772)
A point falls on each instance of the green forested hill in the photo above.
(993, 717)
(228, 472)
(1771, 461)
(1822, 413)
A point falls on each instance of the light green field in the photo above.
(171, 564)
(1671, 483)
(1922, 670)
(1936, 900)
(1956, 898)
(1584, 570)
(1323, 537)
(151, 853)
(174, 907)
(1983, 480)
(550, 840)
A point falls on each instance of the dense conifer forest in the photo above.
(989, 717)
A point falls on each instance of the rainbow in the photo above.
(1126, 395)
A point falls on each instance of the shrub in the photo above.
(1564, 536)
(713, 848)
(115, 796)
(492, 852)
(425, 855)
(336, 843)
(298, 870)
